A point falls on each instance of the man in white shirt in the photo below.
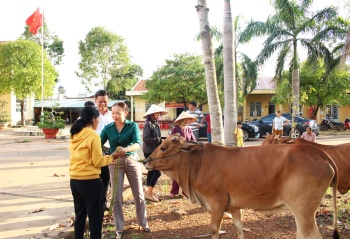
(101, 101)
(278, 122)
(198, 114)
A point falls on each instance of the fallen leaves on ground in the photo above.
(196, 222)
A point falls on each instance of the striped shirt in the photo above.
(198, 114)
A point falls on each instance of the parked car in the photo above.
(249, 130)
(265, 125)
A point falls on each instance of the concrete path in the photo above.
(34, 184)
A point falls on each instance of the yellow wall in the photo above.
(344, 112)
(8, 100)
(264, 99)
(140, 109)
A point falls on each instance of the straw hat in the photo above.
(185, 115)
(155, 109)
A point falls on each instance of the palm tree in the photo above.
(286, 31)
(230, 89)
(245, 72)
(211, 84)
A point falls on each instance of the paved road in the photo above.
(34, 183)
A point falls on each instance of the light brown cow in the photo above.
(339, 153)
(268, 179)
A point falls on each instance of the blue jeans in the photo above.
(209, 137)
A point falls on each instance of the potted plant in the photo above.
(50, 123)
(4, 115)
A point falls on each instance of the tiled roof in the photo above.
(265, 83)
(140, 85)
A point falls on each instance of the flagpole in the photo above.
(42, 64)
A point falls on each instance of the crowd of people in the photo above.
(103, 150)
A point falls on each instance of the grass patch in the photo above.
(23, 141)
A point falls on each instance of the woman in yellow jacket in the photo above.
(86, 160)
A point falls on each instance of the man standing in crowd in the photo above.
(101, 101)
(192, 110)
(278, 122)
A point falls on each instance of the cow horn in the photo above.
(175, 139)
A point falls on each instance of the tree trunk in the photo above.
(22, 113)
(314, 112)
(210, 73)
(295, 85)
(230, 89)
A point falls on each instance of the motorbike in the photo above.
(328, 124)
(347, 123)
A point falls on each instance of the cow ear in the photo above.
(189, 146)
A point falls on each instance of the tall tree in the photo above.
(321, 88)
(287, 30)
(230, 90)
(102, 52)
(246, 69)
(120, 82)
(210, 72)
(53, 45)
(318, 88)
(181, 79)
(20, 71)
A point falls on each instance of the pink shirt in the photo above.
(309, 137)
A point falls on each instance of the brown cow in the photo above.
(268, 179)
(339, 153)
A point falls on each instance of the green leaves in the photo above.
(182, 79)
(20, 64)
(102, 53)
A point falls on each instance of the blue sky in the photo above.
(153, 30)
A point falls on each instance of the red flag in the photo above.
(34, 22)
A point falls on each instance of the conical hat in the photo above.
(155, 109)
(185, 115)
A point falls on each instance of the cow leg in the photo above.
(217, 212)
(237, 221)
(306, 225)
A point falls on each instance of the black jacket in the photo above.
(151, 137)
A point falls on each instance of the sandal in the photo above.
(152, 198)
(118, 235)
(146, 229)
(172, 195)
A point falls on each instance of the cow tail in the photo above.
(335, 219)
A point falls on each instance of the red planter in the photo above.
(50, 133)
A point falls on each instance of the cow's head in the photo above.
(274, 139)
(169, 152)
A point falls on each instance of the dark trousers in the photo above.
(152, 176)
(104, 176)
(87, 195)
(175, 188)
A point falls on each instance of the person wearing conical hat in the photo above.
(181, 127)
(151, 140)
